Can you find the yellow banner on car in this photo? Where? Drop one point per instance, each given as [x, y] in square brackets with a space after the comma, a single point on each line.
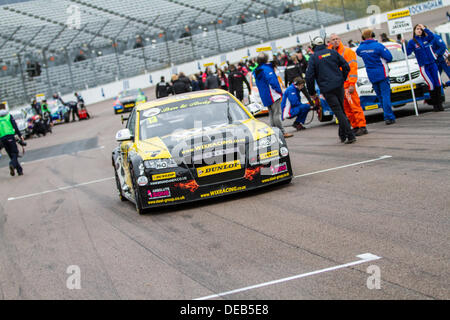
[404, 87]
[218, 168]
[164, 176]
[268, 155]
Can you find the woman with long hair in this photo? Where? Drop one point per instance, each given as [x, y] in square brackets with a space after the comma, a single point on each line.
[421, 45]
[223, 80]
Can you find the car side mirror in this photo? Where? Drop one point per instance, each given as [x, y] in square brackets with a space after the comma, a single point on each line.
[124, 135]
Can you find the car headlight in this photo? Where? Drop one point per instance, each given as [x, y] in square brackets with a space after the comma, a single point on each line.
[160, 164]
[265, 142]
[362, 81]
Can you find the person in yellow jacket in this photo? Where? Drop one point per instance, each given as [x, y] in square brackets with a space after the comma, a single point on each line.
[352, 105]
[8, 130]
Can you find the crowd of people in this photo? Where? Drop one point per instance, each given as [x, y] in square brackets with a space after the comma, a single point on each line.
[324, 72]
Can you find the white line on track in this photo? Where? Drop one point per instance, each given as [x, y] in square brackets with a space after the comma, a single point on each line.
[366, 257]
[110, 178]
[60, 189]
[342, 167]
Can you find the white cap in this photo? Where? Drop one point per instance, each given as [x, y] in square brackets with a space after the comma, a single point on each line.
[317, 41]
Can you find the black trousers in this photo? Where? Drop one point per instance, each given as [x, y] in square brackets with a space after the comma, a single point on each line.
[9, 143]
[239, 94]
[75, 112]
[335, 99]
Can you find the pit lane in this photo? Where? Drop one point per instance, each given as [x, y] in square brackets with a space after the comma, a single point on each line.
[342, 203]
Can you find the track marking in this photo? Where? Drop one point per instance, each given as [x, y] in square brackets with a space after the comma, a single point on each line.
[101, 180]
[342, 167]
[60, 189]
[366, 257]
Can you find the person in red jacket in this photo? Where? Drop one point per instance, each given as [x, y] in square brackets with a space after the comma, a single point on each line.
[352, 105]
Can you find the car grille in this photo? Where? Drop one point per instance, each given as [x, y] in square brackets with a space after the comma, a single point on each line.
[404, 78]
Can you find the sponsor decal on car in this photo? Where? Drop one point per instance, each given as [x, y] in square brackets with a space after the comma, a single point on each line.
[151, 112]
[280, 168]
[219, 98]
[164, 176]
[222, 191]
[404, 87]
[284, 175]
[372, 107]
[159, 193]
[129, 105]
[159, 201]
[168, 181]
[250, 173]
[218, 168]
[268, 155]
[191, 185]
[213, 145]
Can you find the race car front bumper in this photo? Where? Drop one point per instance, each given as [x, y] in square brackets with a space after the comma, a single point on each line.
[178, 186]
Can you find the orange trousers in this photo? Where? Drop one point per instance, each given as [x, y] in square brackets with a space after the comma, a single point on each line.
[353, 110]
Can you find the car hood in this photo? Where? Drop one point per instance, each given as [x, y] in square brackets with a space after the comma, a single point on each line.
[187, 142]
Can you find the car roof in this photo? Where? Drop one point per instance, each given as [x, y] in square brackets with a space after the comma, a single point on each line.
[180, 97]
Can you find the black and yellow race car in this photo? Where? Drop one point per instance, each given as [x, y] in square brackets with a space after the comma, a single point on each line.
[128, 99]
[196, 146]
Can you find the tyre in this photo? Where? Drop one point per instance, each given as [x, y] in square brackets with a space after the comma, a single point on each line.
[137, 197]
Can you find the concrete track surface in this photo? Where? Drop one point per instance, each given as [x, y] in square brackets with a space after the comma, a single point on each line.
[386, 196]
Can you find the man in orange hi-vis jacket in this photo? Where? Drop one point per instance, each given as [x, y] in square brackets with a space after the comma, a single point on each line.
[352, 106]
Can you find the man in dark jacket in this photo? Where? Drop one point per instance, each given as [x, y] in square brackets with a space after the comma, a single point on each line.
[330, 70]
[162, 88]
[182, 77]
[292, 71]
[212, 81]
[8, 130]
[236, 80]
[179, 86]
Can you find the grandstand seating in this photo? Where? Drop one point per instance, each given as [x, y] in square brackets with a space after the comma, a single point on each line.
[31, 31]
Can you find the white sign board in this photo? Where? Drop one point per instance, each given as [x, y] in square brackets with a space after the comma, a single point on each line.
[399, 22]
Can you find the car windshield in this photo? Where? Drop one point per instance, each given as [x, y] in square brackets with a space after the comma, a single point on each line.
[128, 93]
[397, 55]
[203, 112]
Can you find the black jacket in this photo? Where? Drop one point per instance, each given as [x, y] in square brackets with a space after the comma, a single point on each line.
[236, 81]
[291, 72]
[179, 86]
[162, 89]
[212, 82]
[328, 68]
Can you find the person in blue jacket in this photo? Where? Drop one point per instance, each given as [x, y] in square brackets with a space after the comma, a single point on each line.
[421, 45]
[292, 106]
[269, 90]
[376, 58]
[440, 49]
